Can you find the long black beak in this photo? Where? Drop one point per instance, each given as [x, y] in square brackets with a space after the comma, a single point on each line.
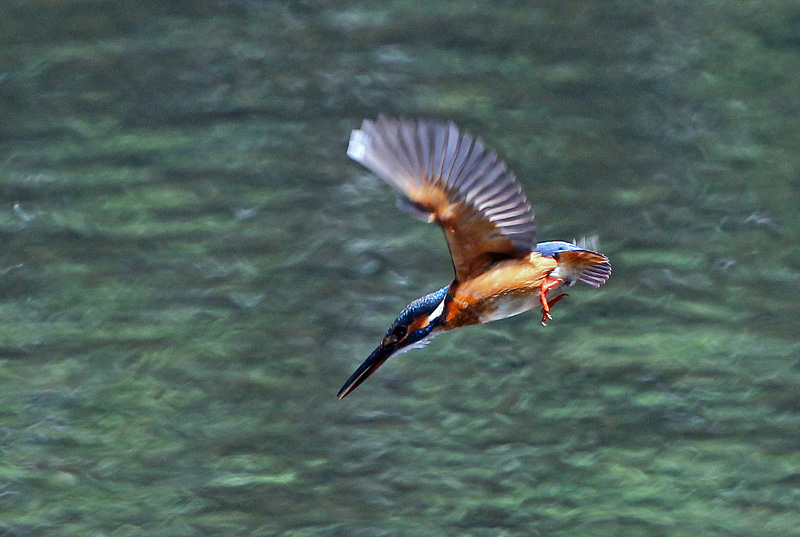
[370, 365]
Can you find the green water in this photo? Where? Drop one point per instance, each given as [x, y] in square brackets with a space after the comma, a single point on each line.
[191, 267]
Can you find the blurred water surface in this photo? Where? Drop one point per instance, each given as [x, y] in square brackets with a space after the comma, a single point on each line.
[191, 267]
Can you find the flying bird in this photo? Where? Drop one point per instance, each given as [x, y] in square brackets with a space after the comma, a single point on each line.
[449, 177]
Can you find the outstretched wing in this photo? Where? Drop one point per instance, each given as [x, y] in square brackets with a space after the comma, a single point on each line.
[450, 178]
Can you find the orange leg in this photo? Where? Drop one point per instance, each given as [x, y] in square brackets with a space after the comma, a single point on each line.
[548, 284]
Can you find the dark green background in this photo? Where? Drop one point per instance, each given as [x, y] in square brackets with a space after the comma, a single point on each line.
[191, 267]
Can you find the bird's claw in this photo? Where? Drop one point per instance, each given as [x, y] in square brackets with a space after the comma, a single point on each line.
[548, 284]
[546, 316]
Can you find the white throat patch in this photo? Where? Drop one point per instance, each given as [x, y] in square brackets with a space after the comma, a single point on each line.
[437, 312]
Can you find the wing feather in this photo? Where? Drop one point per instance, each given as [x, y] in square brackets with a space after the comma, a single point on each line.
[449, 177]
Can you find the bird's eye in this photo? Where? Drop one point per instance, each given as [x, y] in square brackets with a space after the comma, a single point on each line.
[398, 333]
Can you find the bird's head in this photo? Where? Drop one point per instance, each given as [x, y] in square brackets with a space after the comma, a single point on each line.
[413, 328]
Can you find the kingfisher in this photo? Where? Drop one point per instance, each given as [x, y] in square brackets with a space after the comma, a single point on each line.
[447, 176]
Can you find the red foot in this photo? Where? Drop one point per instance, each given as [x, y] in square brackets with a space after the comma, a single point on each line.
[548, 284]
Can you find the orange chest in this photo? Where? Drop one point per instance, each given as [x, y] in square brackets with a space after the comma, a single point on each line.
[509, 288]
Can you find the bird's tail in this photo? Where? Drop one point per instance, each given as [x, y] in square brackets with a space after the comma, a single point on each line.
[594, 268]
